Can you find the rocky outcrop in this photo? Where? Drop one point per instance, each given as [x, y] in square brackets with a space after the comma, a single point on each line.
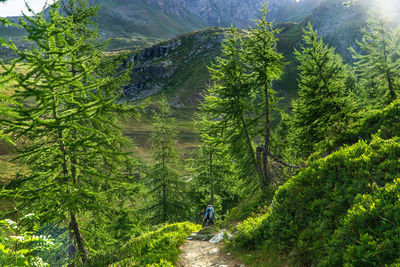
[170, 65]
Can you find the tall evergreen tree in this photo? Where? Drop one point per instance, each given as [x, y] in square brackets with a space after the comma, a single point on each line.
[166, 187]
[379, 63]
[228, 106]
[64, 114]
[211, 167]
[241, 98]
[265, 65]
[322, 103]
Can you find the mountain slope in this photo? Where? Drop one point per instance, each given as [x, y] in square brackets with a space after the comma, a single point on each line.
[133, 23]
[177, 66]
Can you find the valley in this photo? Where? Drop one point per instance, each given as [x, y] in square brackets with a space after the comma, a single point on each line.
[278, 125]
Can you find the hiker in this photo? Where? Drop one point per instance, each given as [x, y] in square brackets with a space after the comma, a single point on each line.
[209, 217]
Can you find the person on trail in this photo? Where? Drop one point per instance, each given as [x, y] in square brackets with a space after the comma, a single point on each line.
[209, 217]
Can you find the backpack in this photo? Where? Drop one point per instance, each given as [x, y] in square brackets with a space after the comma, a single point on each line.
[210, 214]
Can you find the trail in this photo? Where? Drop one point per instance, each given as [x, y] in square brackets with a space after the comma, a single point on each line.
[197, 253]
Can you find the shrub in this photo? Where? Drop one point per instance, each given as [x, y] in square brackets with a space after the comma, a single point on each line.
[386, 120]
[369, 235]
[157, 248]
[307, 209]
[19, 247]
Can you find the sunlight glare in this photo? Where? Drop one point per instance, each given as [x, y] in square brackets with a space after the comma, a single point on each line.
[388, 8]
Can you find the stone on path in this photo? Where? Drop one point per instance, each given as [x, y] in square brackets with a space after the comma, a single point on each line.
[213, 251]
[217, 238]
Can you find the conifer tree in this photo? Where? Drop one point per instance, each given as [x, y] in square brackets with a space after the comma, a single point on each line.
[241, 98]
[64, 114]
[166, 187]
[211, 167]
[228, 106]
[322, 99]
[378, 63]
[266, 65]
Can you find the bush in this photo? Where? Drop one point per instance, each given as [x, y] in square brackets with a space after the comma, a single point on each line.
[19, 247]
[370, 233]
[307, 209]
[386, 121]
[157, 248]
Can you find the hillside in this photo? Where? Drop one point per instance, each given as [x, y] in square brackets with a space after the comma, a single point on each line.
[177, 67]
[273, 141]
[135, 23]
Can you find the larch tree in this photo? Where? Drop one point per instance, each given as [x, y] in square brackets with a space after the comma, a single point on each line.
[378, 63]
[265, 65]
[228, 106]
[64, 116]
[211, 167]
[323, 105]
[241, 99]
[166, 187]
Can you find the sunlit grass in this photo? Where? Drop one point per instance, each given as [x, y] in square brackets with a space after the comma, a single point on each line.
[9, 88]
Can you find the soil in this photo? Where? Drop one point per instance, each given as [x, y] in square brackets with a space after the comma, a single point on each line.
[198, 253]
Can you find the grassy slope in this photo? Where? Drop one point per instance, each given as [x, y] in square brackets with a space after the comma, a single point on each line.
[127, 24]
[183, 88]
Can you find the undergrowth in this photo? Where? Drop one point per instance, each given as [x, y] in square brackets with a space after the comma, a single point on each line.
[307, 211]
[156, 248]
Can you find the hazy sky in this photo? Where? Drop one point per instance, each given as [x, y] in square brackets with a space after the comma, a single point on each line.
[14, 7]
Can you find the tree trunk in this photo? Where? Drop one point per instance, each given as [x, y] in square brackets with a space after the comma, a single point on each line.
[267, 134]
[259, 151]
[385, 54]
[77, 243]
[256, 158]
[390, 83]
[211, 179]
[74, 232]
[164, 192]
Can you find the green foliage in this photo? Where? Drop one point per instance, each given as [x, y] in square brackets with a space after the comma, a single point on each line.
[213, 177]
[157, 248]
[307, 209]
[20, 247]
[378, 65]
[384, 121]
[239, 101]
[69, 134]
[166, 187]
[228, 100]
[369, 235]
[323, 106]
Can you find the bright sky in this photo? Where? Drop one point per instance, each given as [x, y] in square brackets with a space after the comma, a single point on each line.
[388, 8]
[15, 7]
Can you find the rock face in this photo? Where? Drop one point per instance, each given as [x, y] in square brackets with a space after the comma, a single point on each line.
[178, 65]
[223, 13]
[147, 75]
[241, 12]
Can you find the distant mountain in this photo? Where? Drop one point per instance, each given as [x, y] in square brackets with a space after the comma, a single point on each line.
[136, 21]
[340, 25]
[131, 23]
[179, 65]
[241, 12]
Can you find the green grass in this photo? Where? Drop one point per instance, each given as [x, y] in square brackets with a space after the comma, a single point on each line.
[140, 131]
[7, 169]
[260, 258]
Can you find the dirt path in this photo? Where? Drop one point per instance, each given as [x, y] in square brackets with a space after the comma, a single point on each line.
[197, 253]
